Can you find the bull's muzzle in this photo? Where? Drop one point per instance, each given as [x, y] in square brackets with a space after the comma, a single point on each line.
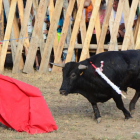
[63, 92]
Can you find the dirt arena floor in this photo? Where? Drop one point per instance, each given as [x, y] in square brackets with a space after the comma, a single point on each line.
[74, 115]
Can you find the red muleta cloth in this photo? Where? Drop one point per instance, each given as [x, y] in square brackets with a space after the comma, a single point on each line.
[23, 108]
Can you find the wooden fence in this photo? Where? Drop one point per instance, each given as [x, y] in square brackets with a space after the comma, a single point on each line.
[12, 31]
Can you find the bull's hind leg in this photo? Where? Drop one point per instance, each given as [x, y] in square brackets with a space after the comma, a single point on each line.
[133, 102]
[119, 103]
[96, 112]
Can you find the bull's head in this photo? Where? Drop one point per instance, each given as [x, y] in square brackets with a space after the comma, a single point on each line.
[71, 74]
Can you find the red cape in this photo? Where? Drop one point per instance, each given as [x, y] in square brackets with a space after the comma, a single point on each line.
[23, 108]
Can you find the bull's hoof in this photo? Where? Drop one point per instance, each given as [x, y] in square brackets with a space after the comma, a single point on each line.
[132, 111]
[99, 120]
[128, 117]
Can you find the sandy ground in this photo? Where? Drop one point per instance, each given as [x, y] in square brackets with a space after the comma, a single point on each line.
[74, 115]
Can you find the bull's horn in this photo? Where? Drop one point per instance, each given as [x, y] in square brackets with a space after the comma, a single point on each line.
[58, 65]
[82, 67]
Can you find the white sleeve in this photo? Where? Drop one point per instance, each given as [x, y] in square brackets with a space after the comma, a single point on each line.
[135, 17]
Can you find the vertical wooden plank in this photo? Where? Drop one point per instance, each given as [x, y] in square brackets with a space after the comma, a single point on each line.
[50, 38]
[16, 27]
[137, 35]
[14, 32]
[100, 46]
[129, 25]
[90, 30]
[16, 23]
[63, 34]
[75, 31]
[111, 23]
[82, 26]
[35, 36]
[21, 15]
[51, 10]
[116, 25]
[13, 43]
[22, 34]
[65, 4]
[35, 4]
[137, 46]
[126, 15]
[1, 22]
[136, 28]
[97, 25]
[7, 34]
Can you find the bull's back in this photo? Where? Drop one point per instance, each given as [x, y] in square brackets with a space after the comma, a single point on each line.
[117, 63]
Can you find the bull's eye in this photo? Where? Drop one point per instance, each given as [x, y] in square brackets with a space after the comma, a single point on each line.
[73, 75]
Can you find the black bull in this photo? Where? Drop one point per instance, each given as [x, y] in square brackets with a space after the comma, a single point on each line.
[121, 67]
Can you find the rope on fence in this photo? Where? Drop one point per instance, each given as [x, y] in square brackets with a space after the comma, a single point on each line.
[14, 39]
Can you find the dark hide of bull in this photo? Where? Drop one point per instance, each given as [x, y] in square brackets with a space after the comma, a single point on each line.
[121, 67]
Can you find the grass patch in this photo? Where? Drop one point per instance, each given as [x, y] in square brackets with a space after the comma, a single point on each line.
[136, 136]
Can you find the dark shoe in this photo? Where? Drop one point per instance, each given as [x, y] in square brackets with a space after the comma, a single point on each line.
[37, 68]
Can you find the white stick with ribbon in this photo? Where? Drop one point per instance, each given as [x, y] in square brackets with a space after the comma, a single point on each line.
[109, 82]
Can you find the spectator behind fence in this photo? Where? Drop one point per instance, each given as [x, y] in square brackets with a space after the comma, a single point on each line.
[88, 5]
[87, 8]
[121, 31]
[102, 11]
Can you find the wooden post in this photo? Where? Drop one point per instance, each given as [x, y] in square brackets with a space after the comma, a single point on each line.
[22, 34]
[137, 33]
[75, 31]
[35, 36]
[51, 36]
[90, 30]
[63, 34]
[100, 46]
[7, 35]
[116, 25]
[51, 10]
[13, 43]
[129, 25]
[82, 26]
[97, 25]
[111, 23]
[35, 4]
[1, 22]
[137, 46]
[126, 12]
[21, 15]
[136, 28]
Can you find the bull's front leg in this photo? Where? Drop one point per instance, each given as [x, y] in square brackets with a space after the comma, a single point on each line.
[120, 105]
[96, 112]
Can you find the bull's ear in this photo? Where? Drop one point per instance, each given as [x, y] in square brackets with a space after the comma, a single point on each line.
[82, 67]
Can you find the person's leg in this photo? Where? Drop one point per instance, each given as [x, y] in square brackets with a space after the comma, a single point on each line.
[37, 63]
[93, 39]
[107, 38]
